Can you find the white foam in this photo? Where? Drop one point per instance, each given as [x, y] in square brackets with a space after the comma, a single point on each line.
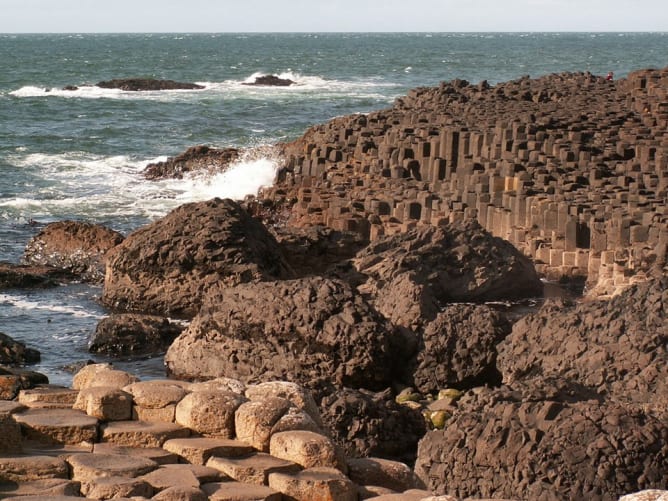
[23, 303]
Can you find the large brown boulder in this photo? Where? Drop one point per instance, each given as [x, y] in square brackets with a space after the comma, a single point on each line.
[168, 266]
[132, 334]
[544, 440]
[616, 347]
[313, 331]
[458, 349]
[14, 352]
[413, 274]
[196, 158]
[73, 246]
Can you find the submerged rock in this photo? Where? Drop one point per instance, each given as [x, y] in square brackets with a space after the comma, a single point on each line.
[271, 80]
[196, 158]
[14, 276]
[144, 84]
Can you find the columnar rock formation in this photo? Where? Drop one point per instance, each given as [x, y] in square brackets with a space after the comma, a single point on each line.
[570, 168]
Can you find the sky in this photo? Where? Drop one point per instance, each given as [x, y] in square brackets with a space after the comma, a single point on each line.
[139, 16]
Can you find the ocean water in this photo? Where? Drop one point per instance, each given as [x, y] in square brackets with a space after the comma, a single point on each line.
[79, 154]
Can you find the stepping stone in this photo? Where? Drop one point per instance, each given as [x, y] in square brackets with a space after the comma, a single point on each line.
[48, 397]
[105, 403]
[27, 468]
[307, 449]
[8, 407]
[142, 434]
[87, 467]
[47, 487]
[204, 474]
[102, 375]
[155, 401]
[237, 491]
[209, 413]
[57, 426]
[157, 454]
[10, 434]
[181, 494]
[32, 448]
[326, 484]
[164, 478]
[293, 392]
[198, 450]
[116, 487]
[381, 472]
[252, 469]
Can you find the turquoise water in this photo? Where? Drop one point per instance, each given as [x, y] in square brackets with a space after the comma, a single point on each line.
[79, 154]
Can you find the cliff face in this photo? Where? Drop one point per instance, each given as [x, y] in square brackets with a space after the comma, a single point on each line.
[570, 168]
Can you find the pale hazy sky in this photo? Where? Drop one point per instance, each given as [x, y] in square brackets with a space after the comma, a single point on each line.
[77, 16]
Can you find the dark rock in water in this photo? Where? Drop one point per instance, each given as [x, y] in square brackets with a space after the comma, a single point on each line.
[132, 334]
[271, 80]
[545, 440]
[14, 276]
[197, 158]
[167, 267]
[75, 367]
[13, 380]
[414, 274]
[71, 87]
[618, 347]
[458, 349]
[73, 246]
[144, 84]
[313, 331]
[15, 352]
[368, 424]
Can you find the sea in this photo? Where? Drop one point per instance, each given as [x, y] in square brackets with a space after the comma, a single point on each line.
[79, 155]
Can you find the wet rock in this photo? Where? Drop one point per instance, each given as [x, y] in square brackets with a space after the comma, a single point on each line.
[14, 276]
[75, 247]
[133, 334]
[168, 266]
[197, 158]
[146, 84]
[14, 352]
[271, 80]
[313, 331]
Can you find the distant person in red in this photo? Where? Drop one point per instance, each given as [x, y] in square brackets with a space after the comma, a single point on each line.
[609, 77]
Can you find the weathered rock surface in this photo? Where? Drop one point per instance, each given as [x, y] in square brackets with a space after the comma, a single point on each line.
[197, 158]
[322, 483]
[75, 247]
[413, 274]
[209, 413]
[307, 449]
[544, 440]
[86, 467]
[168, 266]
[271, 80]
[15, 276]
[364, 424]
[458, 349]
[132, 334]
[58, 426]
[27, 468]
[14, 352]
[105, 403]
[146, 84]
[313, 331]
[616, 347]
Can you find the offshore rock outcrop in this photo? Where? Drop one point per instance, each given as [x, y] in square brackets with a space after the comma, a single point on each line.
[146, 84]
[271, 80]
[197, 158]
[168, 266]
[75, 247]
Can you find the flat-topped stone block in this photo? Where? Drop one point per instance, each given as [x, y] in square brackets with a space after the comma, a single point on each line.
[58, 426]
[157, 454]
[307, 449]
[203, 474]
[42, 488]
[197, 450]
[252, 469]
[163, 478]
[382, 472]
[237, 491]
[181, 494]
[104, 403]
[28, 468]
[87, 467]
[48, 397]
[116, 487]
[141, 434]
[325, 484]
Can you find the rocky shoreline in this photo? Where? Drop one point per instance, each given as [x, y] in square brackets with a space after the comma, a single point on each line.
[360, 280]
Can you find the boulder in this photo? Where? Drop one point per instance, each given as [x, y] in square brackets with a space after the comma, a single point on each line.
[14, 352]
[168, 266]
[458, 349]
[298, 396]
[96, 375]
[271, 80]
[209, 413]
[73, 246]
[115, 487]
[155, 401]
[146, 84]
[383, 473]
[307, 449]
[313, 331]
[413, 274]
[544, 439]
[13, 380]
[105, 403]
[132, 334]
[365, 423]
[617, 347]
[194, 159]
[323, 484]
